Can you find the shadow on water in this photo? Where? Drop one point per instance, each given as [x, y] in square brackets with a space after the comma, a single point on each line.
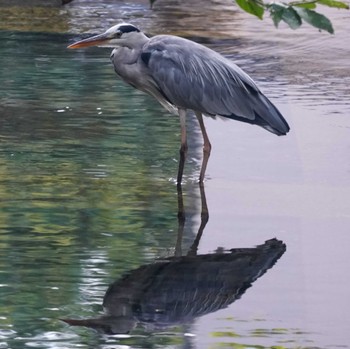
[174, 291]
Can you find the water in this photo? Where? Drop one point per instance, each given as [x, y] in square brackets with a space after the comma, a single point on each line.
[87, 187]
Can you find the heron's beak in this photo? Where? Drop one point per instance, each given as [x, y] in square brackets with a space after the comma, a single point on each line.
[93, 41]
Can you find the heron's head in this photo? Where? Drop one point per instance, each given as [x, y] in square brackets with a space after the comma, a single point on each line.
[123, 34]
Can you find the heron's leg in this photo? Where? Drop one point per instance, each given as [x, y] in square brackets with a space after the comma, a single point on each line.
[206, 146]
[183, 148]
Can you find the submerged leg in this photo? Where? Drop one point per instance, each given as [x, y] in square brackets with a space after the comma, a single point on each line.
[206, 146]
[183, 148]
[204, 220]
[181, 219]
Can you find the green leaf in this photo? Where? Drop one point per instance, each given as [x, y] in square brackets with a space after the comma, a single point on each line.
[333, 3]
[276, 12]
[285, 13]
[315, 19]
[309, 5]
[291, 17]
[252, 7]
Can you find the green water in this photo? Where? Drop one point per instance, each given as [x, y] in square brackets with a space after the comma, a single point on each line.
[86, 190]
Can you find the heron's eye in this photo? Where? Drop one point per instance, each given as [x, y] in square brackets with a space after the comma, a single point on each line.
[118, 35]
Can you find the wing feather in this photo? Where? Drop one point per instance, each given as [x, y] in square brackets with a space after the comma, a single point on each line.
[195, 77]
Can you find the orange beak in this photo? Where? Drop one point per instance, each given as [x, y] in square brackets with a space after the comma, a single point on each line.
[93, 41]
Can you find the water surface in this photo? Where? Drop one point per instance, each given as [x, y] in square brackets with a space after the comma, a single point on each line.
[87, 168]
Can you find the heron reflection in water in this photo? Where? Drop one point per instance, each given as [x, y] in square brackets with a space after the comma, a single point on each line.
[183, 75]
[175, 290]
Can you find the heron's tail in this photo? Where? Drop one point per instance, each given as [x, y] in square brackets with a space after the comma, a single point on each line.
[269, 117]
[266, 115]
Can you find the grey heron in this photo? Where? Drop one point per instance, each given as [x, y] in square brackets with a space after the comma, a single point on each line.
[183, 75]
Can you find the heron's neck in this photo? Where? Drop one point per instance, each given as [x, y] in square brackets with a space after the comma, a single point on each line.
[123, 55]
[129, 52]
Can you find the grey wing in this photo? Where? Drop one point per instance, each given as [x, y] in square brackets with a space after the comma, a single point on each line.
[192, 76]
